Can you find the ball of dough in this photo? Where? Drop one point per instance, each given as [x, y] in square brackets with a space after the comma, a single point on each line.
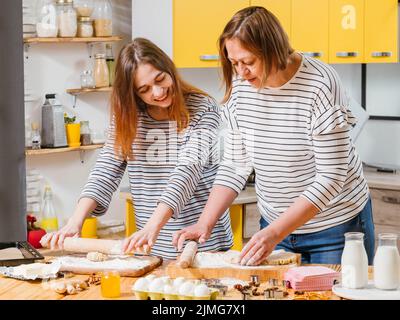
[96, 256]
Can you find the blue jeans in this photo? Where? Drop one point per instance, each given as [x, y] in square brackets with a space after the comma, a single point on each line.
[326, 246]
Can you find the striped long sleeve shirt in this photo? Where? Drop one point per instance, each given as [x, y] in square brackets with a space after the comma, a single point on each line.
[296, 138]
[177, 169]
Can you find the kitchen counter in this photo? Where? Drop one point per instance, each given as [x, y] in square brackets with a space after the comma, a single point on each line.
[12, 289]
[382, 180]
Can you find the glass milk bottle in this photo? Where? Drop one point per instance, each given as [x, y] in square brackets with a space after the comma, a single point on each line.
[354, 261]
[387, 262]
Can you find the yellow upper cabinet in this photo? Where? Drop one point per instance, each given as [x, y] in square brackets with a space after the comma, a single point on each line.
[280, 8]
[346, 31]
[196, 28]
[310, 27]
[381, 31]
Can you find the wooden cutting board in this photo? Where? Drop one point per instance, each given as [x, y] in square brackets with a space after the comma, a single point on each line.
[154, 263]
[243, 273]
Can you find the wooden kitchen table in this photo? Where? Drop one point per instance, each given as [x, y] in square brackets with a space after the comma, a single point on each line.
[12, 289]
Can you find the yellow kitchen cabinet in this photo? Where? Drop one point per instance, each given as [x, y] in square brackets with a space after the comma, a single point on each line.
[310, 27]
[280, 8]
[346, 31]
[196, 28]
[381, 31]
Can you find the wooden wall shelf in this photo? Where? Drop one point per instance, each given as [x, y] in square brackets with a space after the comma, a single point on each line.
[30, 152]
[81, 91]
[74, 40]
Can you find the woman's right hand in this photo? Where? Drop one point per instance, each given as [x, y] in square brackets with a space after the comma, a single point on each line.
[55, 240]
[198, 232]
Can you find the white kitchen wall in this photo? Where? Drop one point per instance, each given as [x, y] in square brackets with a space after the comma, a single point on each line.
[53, 68]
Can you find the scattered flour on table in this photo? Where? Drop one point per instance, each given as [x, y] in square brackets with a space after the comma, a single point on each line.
[116, 264]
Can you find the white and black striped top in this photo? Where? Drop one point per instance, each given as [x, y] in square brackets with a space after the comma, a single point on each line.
[296, 137]
[176, 168]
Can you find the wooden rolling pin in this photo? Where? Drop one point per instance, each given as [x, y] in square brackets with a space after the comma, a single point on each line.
[186, 258]
[85, 245]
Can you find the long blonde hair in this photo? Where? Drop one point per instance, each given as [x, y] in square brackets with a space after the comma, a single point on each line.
[125, 102]
[260, 32]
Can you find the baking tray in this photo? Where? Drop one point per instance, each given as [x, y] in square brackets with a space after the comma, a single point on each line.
[30, 253]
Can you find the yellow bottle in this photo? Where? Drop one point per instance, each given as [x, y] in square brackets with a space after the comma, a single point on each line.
[110, 284]
[49, 221]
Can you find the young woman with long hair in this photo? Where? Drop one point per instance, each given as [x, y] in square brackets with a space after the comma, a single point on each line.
[164, 132]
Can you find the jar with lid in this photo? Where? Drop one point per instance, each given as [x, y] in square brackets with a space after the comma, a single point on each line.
[103, 19]
[84, 8]
[85, 133]
[87, 81]
[85, 27]
[46, 19]
[67, 24]
[387, 262]
[354, 261]
[101, 75]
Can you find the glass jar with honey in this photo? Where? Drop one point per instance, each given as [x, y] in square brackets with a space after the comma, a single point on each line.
[110, 284]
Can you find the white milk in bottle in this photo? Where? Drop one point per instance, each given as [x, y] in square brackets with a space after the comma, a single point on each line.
[387, 262]
[354, 261]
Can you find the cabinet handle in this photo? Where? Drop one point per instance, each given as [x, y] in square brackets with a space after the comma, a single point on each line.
[392, 200]
[346, 54]
[379, 54]
[209, 57]
[313, 54]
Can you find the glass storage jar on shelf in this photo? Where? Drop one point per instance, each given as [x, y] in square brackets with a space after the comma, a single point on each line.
[67, 18]
[101, 75]
[85, 27]
[85, 134]
[87, 81]
[84, 8]
[46, 19]
[103, 18]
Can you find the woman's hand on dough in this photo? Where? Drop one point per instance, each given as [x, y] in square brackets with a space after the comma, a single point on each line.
[55, 240]
[197, 232]
[141, 241]
[258, 248]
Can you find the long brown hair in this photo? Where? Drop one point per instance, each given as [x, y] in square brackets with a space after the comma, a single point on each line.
[125, 102]
[260, 32]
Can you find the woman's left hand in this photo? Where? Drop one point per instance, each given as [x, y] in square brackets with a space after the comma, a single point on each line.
[142, 240]
[258, 248]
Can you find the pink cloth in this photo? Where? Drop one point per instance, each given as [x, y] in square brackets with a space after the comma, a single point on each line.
[311, 278]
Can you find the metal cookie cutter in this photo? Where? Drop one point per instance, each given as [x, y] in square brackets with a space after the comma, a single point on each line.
[254, 280]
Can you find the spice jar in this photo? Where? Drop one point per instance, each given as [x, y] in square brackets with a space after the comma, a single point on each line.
[103, 19]
[87, 81]
[67, 24]
[101, 75]
[85, 133]
[46, 19]
[85, 27]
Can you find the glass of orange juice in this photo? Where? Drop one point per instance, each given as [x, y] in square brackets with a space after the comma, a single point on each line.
[110, 284]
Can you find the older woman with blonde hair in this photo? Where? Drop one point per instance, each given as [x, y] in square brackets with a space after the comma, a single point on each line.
[288, 119]
[164, 131]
